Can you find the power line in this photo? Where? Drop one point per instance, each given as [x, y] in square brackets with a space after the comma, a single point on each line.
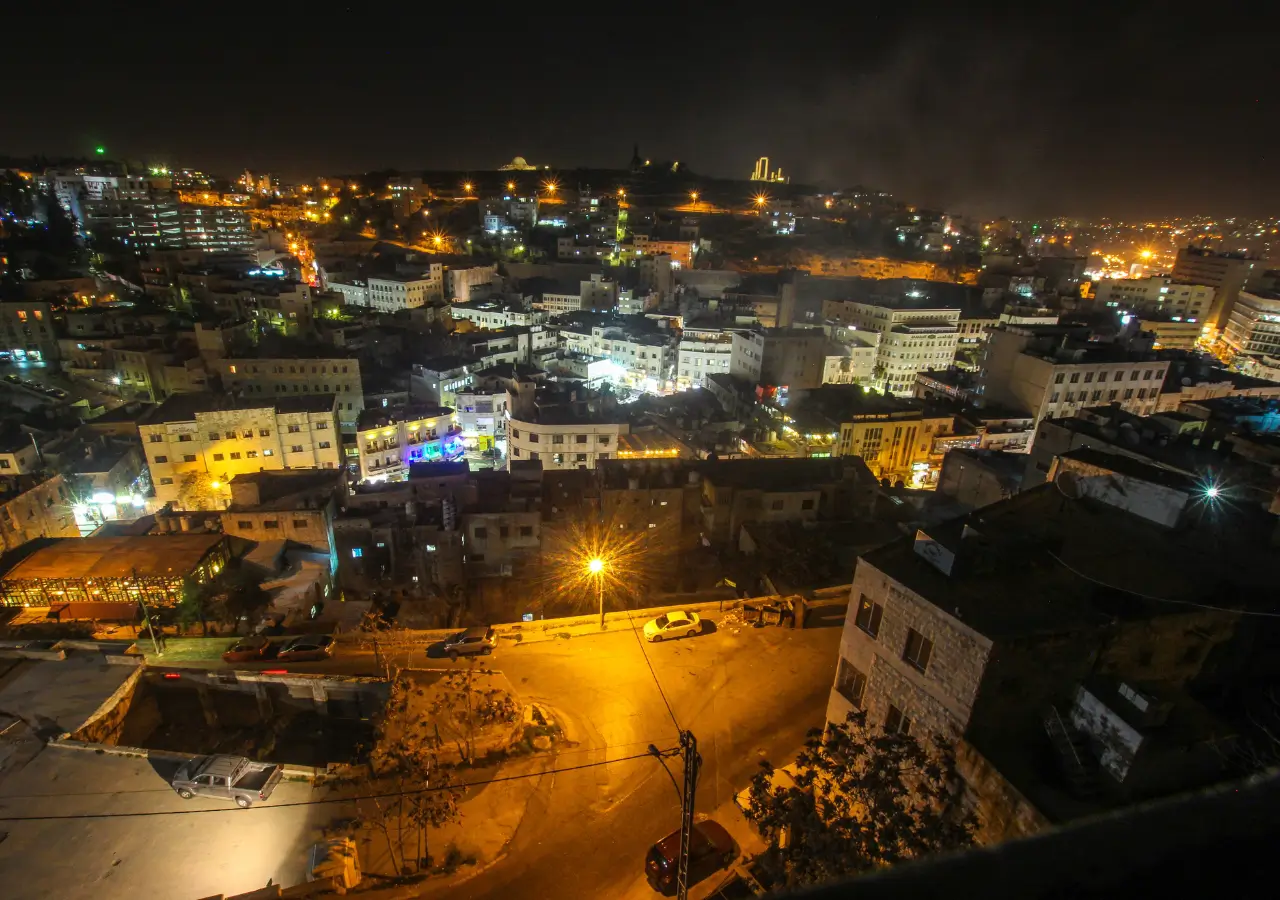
[661, 693]
[1240, 612]
[318, 802]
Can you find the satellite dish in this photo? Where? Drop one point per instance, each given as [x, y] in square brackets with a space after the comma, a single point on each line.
[1070, 485]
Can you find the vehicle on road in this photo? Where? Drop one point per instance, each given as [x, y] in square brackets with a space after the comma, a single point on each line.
[227, 777]
[309, 647]
[478, 640]
[674, 624]
[710, 848]
[250, 649]
[784, 779]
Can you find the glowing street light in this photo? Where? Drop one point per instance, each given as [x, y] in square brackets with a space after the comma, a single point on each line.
[693, 195]
[761, 199]
[596, 567]
[467, 187]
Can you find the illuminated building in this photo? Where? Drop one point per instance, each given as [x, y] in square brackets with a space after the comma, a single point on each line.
[1158, 295]
[390, 440]
[763, 173]
[916, 334]
[1253, 331]
[26, 331]
[517, 164]
[196, 443]
[105, 577]
[1053, 371]
[681, 252]
[267, 380]
[33, 506]
[147, 213]
[1226, 273]
[718, 351]
[561, 427]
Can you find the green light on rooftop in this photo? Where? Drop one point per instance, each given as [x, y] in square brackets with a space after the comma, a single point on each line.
[101, 151]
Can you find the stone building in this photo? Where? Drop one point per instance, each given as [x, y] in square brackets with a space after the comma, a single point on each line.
[985, 629]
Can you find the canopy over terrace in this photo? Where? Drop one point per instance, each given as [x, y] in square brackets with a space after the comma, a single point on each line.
[121, 569]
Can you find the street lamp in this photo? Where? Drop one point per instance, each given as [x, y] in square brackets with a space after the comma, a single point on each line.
[596, 568]
[693, 195]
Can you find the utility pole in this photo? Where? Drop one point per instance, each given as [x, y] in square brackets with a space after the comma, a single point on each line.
[146, 614]
[692, 763]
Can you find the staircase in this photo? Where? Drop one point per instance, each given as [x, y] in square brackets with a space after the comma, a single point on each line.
[1072, 749]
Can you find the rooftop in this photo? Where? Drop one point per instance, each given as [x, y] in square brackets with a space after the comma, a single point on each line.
[185, 407]
[1090, 563]
[283, 490]
[164, 556]
[386, 416]
[773, 474]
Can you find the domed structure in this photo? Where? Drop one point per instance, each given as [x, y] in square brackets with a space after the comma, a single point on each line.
[517, 164]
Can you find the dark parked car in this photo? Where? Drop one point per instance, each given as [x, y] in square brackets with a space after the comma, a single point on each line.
[250, 649]
[710, 848]
[480, 639]
[308, 648]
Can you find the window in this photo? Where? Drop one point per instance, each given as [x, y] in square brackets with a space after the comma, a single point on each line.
[1128, 393]
[1102, 376]
[271, 523]
[580, 439]
[296, 448]
[868, 616]
[235, 455]
[322, 426]
[162, 459]
[357, 552]
[299, 523]
[580, 457]
[189, 457]
[323, 445]
[851, 683]
[264, 432]
[604, 439]
[481, 533]
[918, 650]
[251, 454]
[155, 438]
[895, 722]
[1096, 395]
[1133, 376]
[4, 464]
[504, 532]
[1075, 376]
[777, 504]
[1057, 379]
[1055, 398]
[804, 504]
[1088, 378]
[534, 438]
[219, 457]
[213, 435]
[243, 524]
[268, 453]
[166, 481]
[294, 429]
[526, 531]
[184, 438]
[515, 432]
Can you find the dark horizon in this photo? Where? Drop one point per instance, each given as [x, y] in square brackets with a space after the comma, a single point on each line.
[1002, 114]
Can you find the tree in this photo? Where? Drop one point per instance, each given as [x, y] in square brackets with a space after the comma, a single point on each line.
[863, 798]
[197, 603]
[243, 596]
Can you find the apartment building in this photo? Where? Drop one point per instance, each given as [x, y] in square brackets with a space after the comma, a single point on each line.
[496, 313]
[1054, 371]
[1226, 273]
[439, 379]
[391, 439]
[644, 354]
[982, 630]
[913, 337]
[714, 350]
[1158, 295]
[267, 379]
[294, 506]
[196, 443]
[796, 358]
[460, 280]
[1253, 332]
[26, 331]
[852, 361]
[392, 293]
[681, 252]
[561, 426]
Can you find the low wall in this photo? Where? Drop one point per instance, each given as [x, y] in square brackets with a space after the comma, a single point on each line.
[104, 726]
[1003, 812]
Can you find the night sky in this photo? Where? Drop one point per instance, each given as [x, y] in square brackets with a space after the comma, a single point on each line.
[1130, 115]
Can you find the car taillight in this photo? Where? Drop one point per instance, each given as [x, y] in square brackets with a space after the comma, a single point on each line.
[275, 671]
[171, 676]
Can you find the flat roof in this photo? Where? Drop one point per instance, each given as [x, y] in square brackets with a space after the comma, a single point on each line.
[171, 555]
[185, 407]
[774, 474]
[1039, 562]
[386, 416]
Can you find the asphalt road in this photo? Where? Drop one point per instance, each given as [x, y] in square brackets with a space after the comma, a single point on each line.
[746, 693]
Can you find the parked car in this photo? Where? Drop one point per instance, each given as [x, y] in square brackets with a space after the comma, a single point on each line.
[229, 777]
[307, 648]
[13, 379]
[479, 640]
[710, 848]
[674, 624]
[250, 649]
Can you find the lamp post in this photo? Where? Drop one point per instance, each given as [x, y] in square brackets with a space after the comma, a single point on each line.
[596, 568]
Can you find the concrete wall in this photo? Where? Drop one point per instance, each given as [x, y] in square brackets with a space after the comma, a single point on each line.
[1003, 812]
[105, 725]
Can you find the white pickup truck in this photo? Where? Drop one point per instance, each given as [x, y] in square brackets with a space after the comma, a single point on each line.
[229, 777]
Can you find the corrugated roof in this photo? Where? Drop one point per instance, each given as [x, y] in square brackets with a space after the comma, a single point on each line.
[168, 555]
